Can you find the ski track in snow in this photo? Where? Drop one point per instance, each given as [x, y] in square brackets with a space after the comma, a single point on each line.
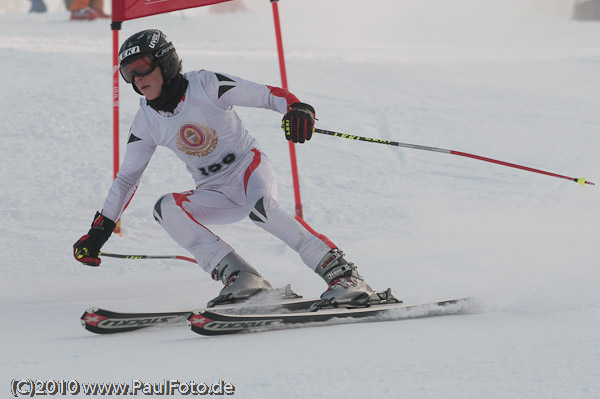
[516, 81]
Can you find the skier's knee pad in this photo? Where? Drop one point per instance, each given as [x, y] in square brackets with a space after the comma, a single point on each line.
[157, 212]
[259, 211]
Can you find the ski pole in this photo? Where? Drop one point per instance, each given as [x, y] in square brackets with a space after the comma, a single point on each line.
[581, 180]
[122, 256]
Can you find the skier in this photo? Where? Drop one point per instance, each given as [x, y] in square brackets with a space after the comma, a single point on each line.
[193, 115]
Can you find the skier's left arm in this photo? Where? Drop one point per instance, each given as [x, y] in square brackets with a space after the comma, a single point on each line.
[226, 91]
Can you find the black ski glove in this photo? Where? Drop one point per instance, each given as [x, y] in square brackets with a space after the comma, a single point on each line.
[87, 249]
[299, 122]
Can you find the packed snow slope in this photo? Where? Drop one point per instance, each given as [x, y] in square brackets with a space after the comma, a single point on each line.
[516, 82]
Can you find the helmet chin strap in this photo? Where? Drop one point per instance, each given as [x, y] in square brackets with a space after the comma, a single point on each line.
[170, 95]
[136, 89]
[166, 82]
[163, 90]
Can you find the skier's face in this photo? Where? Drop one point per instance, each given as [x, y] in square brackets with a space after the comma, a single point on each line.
[150, 85]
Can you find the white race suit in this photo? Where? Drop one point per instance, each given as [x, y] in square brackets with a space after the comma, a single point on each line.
[233, 177]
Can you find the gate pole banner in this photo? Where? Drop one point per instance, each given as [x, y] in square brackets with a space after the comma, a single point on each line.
[124, 10]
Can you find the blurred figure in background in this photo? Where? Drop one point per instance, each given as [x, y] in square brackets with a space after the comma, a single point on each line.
[38, 6]
[586, 10]
[228, 7]
[87, 9]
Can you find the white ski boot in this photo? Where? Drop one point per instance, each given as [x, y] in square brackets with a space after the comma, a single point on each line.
[241, 280]
[346, 286]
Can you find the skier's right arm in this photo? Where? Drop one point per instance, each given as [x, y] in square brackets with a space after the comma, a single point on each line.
[225, 91]
[140, 148]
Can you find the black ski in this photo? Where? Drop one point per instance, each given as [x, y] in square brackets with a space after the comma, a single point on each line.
[216, 322]
[103, 321]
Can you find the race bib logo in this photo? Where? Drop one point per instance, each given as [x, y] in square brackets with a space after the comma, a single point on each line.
[197, 140]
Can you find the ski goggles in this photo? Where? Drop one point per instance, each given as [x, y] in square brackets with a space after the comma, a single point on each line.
[138, 67]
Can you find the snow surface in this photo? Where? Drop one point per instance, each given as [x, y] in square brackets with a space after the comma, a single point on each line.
[514, 80]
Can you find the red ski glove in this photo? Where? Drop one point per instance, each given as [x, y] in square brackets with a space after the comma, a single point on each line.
[299, 122]
[87, 249]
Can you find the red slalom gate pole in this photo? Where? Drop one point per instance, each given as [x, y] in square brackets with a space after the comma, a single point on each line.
[115, 102]
[580, 180]
[284, 85]
[116, 26]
